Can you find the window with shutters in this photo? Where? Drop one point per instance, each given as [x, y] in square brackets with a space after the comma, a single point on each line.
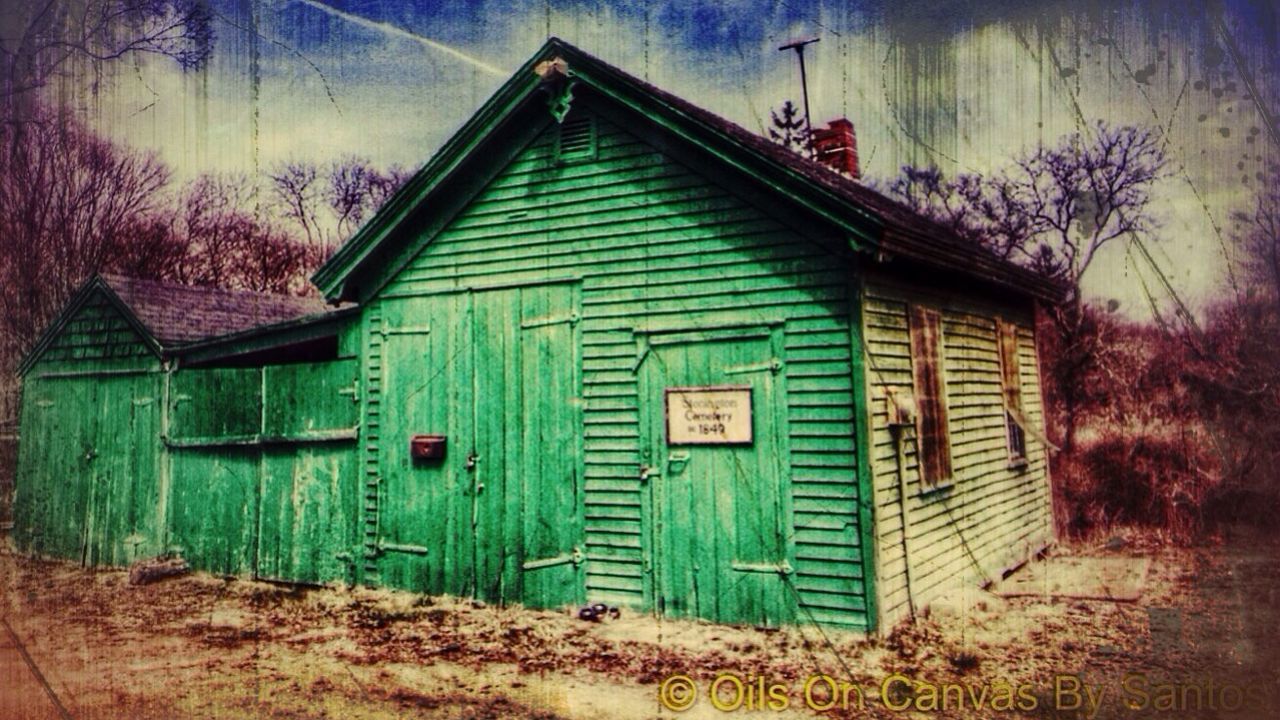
[933, 440]
[576, 139]
[1011, 386]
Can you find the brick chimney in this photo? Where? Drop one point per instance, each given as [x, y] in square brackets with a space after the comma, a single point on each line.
[836, 147]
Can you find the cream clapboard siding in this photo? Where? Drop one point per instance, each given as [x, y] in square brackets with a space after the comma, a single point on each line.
[656, 245]
[992, 515]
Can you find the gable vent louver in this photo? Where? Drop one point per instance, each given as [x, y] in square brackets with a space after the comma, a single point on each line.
[576, 139]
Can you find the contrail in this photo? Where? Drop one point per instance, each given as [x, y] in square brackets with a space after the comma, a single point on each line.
[390, 29]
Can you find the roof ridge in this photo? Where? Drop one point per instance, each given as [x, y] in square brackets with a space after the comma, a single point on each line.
[111, 277]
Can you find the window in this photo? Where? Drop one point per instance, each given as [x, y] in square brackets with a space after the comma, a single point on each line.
[933, 442]
[1011, 384]
[576, 139]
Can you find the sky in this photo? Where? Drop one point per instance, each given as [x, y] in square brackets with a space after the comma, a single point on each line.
[965, 85]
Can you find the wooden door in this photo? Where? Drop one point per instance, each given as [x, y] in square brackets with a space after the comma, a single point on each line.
[500, 517]
[716, 522]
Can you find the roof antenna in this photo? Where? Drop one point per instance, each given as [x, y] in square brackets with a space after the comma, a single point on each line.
[798, 46]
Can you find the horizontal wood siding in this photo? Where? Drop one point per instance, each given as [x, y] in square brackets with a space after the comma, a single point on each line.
[991, 514]
[656, 247]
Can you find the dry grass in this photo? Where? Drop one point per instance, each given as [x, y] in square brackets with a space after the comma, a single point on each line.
[204, 647]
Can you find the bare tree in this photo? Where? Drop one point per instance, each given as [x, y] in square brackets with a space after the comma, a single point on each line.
[227, 244]
[299, 196]
[984, 212]
[328, 205]
[1258, 238]
[357, 189]
[45, 39]
[68, 201]
[1053, 209]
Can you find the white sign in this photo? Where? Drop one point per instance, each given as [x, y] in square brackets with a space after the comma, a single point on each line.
[709, 415]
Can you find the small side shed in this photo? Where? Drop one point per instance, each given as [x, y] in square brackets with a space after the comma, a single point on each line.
[161, 418]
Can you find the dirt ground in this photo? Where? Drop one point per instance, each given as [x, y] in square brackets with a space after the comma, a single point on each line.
[1201, 640]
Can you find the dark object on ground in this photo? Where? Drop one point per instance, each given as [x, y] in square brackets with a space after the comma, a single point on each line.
[153, 569]
[588, 613]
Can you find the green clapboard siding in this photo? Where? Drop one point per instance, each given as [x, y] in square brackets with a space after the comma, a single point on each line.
[652, 248]
[991, 514]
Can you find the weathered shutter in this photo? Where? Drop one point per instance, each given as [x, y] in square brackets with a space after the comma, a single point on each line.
[1009, 370]
[933, 444]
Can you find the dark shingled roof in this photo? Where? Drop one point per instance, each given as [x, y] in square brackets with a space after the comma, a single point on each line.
[906, 232]
[181, 314]
[890, 229]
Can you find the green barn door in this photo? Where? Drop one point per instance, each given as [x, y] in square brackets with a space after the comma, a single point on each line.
[550, 486]
[58, 452]
[718, 542]
[306, 513]
[122, 501]
[499, 517]
[526, 480]
[424, 536]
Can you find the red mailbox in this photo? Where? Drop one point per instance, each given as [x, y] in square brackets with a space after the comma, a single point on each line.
[427, 447]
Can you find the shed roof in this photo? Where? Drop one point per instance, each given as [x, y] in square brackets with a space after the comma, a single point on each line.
[874, 222]
[170, 316]
[181, 314]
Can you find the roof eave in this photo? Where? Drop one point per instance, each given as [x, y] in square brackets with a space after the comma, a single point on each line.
[331, 276]
[241, 336]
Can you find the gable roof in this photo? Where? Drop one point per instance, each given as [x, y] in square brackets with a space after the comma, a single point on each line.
[168, 316]
[873, 222]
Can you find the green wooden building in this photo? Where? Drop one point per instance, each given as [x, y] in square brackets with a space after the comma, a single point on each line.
[605, 346]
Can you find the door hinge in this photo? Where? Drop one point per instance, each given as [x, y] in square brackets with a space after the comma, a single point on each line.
[783, 568]
[386, 330]
[574, 557]
[402, 548]
[572, 318]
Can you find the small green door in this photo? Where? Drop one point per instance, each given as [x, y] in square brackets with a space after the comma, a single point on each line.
[120, 512]
[58, 452]
[716, 522]
[306, 509]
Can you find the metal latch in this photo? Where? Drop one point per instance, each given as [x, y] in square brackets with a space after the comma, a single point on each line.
[677, 461]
